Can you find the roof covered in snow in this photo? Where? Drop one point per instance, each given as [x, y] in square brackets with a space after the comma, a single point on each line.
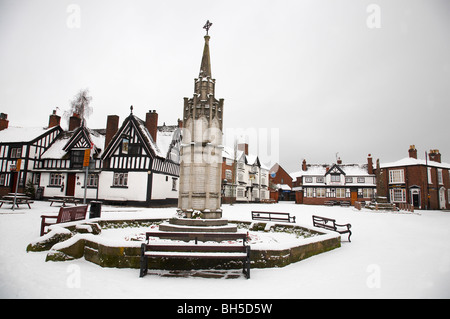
[409, 161]
[321, 170]
[16, 134]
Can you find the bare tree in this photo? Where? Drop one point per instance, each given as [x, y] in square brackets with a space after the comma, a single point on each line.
[80, 105]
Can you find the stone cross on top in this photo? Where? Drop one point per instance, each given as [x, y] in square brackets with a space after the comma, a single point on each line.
[207, 26]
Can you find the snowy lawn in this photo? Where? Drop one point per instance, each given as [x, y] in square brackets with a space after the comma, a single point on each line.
[392, 255]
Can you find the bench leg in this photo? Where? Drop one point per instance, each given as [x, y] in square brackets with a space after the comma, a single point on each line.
[246, 266]
[349, 234]
[144, 262]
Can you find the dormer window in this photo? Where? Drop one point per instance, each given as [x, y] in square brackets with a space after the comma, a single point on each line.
[335, 178]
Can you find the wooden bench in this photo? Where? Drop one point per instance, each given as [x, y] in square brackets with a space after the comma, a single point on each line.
[196, 251]
[272, 216]
[66, 214]
[330, 224]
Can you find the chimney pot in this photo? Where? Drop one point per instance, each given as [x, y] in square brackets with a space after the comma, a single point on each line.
[54, 120]
[412, 151]
[369, 164]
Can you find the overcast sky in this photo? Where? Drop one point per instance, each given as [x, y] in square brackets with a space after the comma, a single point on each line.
[312, 78]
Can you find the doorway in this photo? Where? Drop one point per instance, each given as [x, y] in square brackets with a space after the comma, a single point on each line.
[70, 188]
[415, 197]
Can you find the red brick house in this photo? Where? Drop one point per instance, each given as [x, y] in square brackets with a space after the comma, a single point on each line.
[280, 183]
[422, 183]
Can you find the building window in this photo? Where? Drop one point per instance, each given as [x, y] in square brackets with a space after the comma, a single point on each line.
[16, 152]
[125, 145]
[77, 158]
[367, 192]
[320, 192]
[55, 179]
[448, 195]
[319, 179]
[340, 192]
[174, 183]
[2, 179]
[240, 192]
[398, 195]
[396, 176]
[430, 180]
[92, 180]
[349, 179]
[309, 192]
[308, 179]
[335, 178]
[361, 180]
[228, 175]
[120, 179]
[440, 180]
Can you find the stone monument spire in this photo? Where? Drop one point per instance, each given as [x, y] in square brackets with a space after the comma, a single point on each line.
[201, 149]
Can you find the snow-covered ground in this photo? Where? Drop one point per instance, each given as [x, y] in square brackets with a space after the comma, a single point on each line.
[392, 255]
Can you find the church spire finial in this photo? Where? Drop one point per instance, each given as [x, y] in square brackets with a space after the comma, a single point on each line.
[207, 26]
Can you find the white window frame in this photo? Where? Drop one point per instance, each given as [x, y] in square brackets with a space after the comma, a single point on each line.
[320, 192]
[92, 180]
[440, 179]
[340, 192]
[396, 176]
[120, 179]
[55, 179]
[398, 195]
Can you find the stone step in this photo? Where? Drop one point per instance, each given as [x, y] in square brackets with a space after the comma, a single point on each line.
[198, 222]
[207, 229]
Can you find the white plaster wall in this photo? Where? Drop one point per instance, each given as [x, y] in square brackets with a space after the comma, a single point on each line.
[162, 188]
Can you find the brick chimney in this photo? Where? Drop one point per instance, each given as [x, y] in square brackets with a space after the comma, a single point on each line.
[112, 126]
[151, 123]
[412, 151]
[74, 122]
[243, 147]
[54, 120]
[339, 161]
[434, 156]
[180, 123]
[3, 121]
[304, 167]
[369, 164]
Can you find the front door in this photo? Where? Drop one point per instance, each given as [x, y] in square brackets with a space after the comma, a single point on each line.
[415, 197]
[70, 188]
[353, 196]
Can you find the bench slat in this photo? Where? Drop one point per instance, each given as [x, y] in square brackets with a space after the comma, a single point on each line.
[183, 254]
